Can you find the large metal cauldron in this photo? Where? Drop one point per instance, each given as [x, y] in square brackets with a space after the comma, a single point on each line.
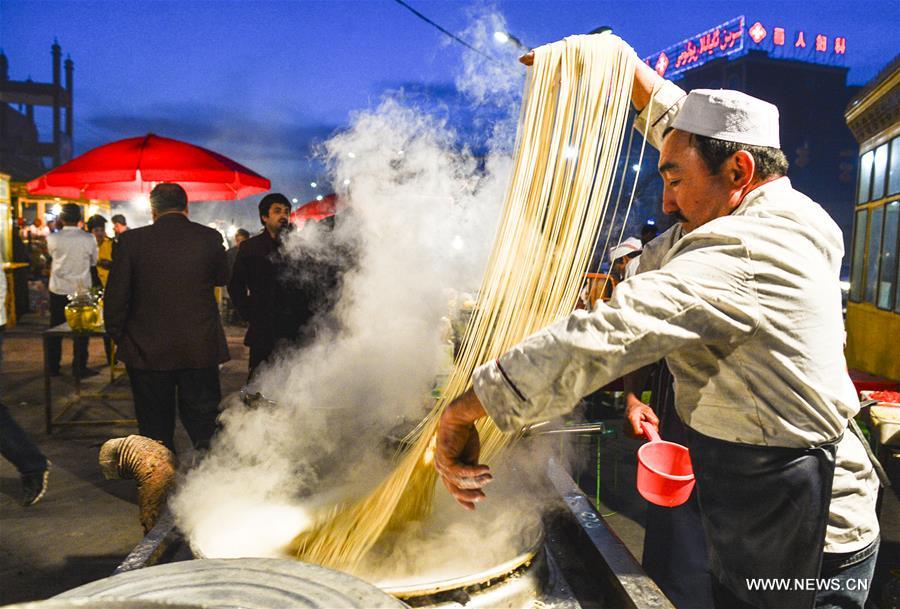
[250, 583]
[577, 562]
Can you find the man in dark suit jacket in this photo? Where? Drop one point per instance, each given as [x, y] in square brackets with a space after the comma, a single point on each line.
[161, 310]
[278, 298]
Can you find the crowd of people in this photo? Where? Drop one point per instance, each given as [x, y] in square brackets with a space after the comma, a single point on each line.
[162, 312]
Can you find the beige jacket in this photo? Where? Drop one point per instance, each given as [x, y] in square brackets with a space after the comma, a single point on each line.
[746, 309]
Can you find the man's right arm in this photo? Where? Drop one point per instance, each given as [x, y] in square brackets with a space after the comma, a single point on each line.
[700, 297]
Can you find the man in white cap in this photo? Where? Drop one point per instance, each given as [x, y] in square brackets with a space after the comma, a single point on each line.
[621, 256]
[745, 306]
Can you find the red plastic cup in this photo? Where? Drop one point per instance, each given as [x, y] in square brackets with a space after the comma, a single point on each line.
[665, 475]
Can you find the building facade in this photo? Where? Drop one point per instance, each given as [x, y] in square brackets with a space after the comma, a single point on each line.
[873, 312]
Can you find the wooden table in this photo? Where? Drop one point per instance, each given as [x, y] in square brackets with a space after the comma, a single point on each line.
[63, 331]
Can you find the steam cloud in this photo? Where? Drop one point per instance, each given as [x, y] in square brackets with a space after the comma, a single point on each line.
[419, 211]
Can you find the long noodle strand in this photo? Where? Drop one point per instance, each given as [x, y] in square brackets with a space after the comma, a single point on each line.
[570, 133]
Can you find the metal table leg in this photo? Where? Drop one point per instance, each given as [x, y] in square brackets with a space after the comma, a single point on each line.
[48, 397]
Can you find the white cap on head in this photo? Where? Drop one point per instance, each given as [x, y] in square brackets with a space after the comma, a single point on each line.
[729, 115]
[629, 246]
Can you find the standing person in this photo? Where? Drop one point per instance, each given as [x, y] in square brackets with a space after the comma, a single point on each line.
[15, 445]
[621, 257]
[239, 237]
[276, 308]
[746, 309]
[17, 448]
[73, 252]
[120, 225]
[96, 225]
[161, 310]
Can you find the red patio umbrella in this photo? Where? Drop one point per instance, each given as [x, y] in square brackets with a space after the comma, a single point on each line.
[121, 170]
[315, 209]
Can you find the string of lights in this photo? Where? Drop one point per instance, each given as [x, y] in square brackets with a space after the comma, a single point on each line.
[443, 30]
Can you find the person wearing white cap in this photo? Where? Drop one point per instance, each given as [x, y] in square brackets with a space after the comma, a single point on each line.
[622, 254]
[746, 308]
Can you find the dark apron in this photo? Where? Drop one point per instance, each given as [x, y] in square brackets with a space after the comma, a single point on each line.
[764, 511]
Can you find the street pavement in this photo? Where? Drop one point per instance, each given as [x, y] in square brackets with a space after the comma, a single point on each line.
[85, 525]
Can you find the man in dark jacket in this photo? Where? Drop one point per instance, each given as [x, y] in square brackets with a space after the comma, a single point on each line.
[277, 303]
[161, 310]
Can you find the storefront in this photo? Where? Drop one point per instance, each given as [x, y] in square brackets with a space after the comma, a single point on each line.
[873, 311]
[25, 222]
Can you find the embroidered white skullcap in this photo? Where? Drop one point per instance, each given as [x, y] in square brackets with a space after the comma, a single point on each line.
[729, 115]
[629, 246]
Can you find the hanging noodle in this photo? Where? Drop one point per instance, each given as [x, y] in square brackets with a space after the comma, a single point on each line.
[570, 133]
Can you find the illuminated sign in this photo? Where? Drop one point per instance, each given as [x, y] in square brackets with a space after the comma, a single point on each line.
[797, 44]
[732, 38]
[720, 41]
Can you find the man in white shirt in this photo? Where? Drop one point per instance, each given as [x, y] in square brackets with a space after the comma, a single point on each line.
[746, 309]
[74, 252]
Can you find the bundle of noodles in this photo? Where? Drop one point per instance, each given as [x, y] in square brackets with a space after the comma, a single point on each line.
[570, 133]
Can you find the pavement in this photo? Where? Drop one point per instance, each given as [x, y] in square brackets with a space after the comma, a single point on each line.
[86, 525]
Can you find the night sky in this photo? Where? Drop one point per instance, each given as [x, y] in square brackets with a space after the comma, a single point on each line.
[264, 81]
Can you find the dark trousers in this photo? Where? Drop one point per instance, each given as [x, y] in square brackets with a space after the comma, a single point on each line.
[196, 392]
[17, 448]
[58, 304]
[258, 354]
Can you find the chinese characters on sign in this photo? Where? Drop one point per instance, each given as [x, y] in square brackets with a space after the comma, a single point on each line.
[840, 45]
[778, 36]
[802, 44]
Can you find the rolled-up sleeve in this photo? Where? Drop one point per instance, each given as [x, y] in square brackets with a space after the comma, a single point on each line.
[657, 115]
[703, 295]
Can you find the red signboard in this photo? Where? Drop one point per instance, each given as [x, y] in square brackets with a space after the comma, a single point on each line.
[728, 39]
[719, 41]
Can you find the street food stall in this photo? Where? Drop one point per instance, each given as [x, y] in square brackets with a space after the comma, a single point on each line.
[30, 217]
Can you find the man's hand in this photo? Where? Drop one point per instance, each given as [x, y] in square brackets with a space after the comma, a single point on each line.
[457, 450]
[527, 58]
[636, 411]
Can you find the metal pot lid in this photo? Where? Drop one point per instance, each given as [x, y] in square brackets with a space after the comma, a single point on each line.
[250, 583]
[102, 603]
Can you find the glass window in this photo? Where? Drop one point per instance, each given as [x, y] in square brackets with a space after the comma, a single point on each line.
[897, 290]
[894, 173]
[865, 176]
[873, 257]
[859, 250]
[880, 174]
[888, 256]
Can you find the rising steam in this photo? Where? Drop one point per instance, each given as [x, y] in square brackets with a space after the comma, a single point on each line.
[416, 222]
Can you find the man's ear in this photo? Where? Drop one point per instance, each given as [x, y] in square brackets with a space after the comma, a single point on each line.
[741, 167]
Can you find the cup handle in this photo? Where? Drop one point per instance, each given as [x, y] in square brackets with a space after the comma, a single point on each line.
[650, 431]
